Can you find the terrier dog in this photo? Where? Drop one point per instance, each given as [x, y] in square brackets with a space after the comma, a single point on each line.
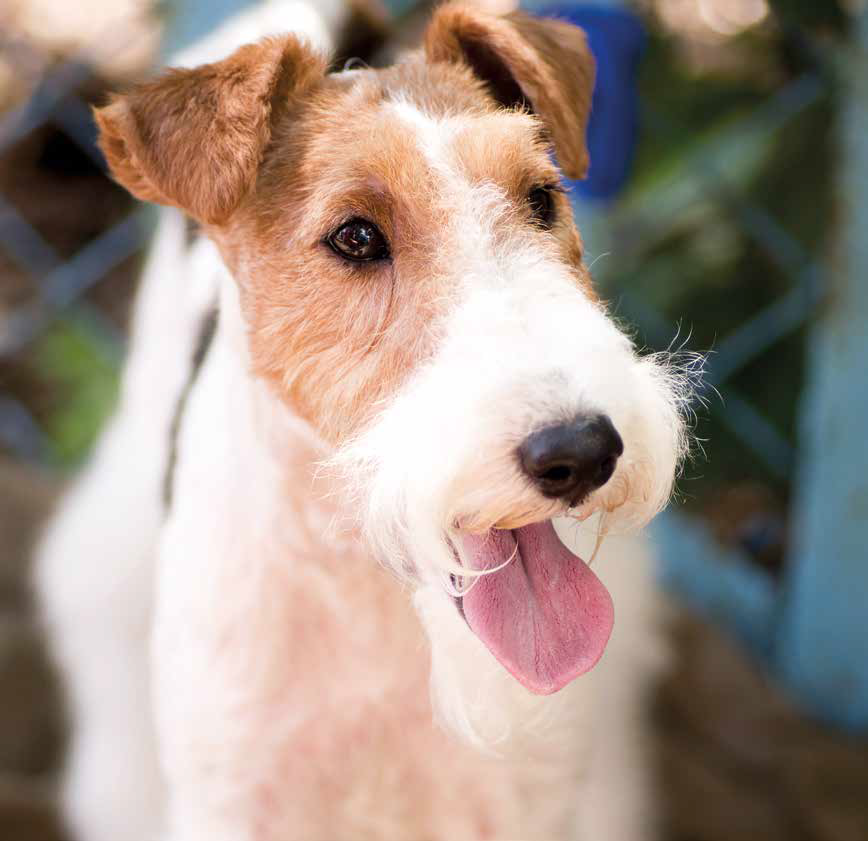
[386, 347]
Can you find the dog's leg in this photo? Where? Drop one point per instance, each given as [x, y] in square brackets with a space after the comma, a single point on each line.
[216, 728]
[94, 568]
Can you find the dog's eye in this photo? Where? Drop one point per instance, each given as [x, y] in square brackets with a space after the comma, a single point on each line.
[542, 206]
[360, 241]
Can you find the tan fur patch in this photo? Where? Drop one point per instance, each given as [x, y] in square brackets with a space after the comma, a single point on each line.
[194, 138]
[544, 63]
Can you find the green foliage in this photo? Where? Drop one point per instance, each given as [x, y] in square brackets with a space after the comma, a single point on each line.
[81, 374]
[719, 154]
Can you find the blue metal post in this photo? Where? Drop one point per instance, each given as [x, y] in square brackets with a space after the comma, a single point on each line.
[822, 645]
[190, 20]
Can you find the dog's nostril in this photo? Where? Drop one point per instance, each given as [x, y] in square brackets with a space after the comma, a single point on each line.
[557, 474]
[569, 460]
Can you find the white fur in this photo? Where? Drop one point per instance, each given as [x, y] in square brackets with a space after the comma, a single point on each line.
[282, 655]
[95, 563]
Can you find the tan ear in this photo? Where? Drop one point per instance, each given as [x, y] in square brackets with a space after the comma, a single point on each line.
[543, 65]
[195, 138]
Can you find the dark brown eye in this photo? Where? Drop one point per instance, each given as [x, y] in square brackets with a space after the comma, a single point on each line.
[360, 241]
[542, 206]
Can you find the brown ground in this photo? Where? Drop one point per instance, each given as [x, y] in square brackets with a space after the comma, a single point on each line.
[30, 720]
[737, 761]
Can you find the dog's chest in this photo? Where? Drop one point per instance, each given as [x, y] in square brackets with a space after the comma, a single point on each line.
[355, 752]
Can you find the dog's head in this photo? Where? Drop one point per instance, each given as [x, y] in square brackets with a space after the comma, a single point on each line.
[413, 286]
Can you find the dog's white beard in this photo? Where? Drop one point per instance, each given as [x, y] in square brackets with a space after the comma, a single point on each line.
[522, 351]
[511, 360]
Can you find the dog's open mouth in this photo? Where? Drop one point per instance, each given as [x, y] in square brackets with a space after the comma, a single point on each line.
[545, 615]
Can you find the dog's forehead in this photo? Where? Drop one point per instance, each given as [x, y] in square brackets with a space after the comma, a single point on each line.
[422, 150]
[435, 120]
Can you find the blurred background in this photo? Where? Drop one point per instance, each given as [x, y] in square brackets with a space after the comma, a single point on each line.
[726, 212]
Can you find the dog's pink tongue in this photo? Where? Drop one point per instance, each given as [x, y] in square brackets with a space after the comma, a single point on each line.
[545, 616]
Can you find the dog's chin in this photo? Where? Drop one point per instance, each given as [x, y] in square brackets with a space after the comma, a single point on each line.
[537, 607]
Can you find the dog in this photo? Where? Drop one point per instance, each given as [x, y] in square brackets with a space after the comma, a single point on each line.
[323, 577]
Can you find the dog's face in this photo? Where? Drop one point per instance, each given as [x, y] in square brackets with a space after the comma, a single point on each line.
[413, 286]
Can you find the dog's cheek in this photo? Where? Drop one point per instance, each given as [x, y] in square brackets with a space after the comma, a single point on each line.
[333, 340]
[654, 446]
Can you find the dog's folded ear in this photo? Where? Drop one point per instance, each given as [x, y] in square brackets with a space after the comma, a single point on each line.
[543, 65]
[195, 138]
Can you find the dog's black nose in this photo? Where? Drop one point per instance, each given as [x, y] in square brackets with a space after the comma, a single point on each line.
[569, 460]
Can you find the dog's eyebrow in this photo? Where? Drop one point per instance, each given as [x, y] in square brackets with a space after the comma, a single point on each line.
[367, 198]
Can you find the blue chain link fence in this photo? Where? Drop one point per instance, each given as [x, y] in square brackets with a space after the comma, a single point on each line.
[51, 278]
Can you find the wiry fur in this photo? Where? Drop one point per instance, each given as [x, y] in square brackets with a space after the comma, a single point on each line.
[347, 414]
[513, 296]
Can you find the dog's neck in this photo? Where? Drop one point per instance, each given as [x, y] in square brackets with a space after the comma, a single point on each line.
[287, 447]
